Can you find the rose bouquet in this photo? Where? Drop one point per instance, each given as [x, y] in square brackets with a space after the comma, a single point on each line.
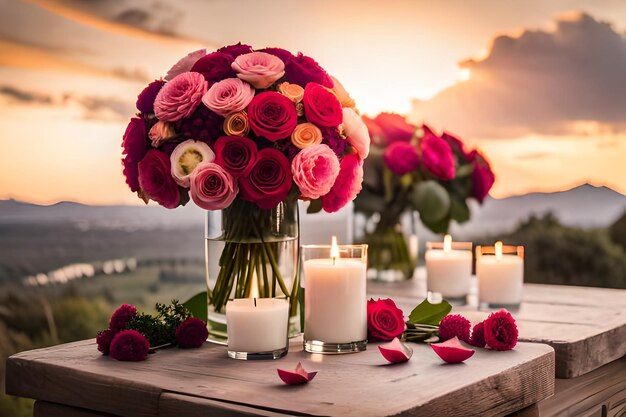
[412, 169]
[246, 132]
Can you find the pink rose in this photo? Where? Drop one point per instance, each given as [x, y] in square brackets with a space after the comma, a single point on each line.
[228, 96]
[482, 176]
[236, 154]
[401, 158]
[135, 145]
[315, 170]
[214, 66]
[321, 107]
[156, 181]
[180, 97]
[259, 68]
[437, 157]
[347, 185]
[356, 132]
[394, 128]
[272, 116]
[302, 70]
[185, 64]
[212, 188]
[269, 181]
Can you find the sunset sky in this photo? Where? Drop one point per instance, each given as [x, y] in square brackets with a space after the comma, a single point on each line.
[539, 86]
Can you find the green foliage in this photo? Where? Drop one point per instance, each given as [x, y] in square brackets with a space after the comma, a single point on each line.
[197, 306]
[617, 231]
[431, 200]
[427, 313]
[557, 254]
[160, 329]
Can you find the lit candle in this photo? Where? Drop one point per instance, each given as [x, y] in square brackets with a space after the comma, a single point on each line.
[449, 270]
[257, 326]
[500, 276]
[335, 302]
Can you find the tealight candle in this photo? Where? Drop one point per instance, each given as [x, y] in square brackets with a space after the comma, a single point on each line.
[335, 301]
[449, 268]
[257, 328]
[500, 271]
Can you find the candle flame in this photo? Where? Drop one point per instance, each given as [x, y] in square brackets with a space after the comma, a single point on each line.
[334, 249]
[447, 243]
[498, 250]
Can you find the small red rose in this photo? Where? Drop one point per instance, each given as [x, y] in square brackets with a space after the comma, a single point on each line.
[129, 345]
[384, 319]
[478, 335]
[191, 333]
[122, 316]
[501, 331]
[272, 116]
[454, 325]
[104, 339]
[321, 106]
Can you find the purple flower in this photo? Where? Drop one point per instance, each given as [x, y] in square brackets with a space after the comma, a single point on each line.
[334, 140]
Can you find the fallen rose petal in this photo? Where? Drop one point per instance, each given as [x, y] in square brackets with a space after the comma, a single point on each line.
[298, 376]
[452, 351]
[396, 351]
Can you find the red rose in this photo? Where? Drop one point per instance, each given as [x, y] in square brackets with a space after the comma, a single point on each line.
[302, 70]
[394, 128]
[236, 49]
[214, 67]
[135, 144]
[384, 319]
[270, 179]
[482, 176]
[272, 115]
[401, 158]
[374, 130]
[129, 345]
[321, 107]
[191, 333]
[457, 146]
[122, 316]
[500, 331]
[437, 157]
[104, 339]
[454, 325]
[145, 100]
[236, 154]
[156, 180]
[281, 53]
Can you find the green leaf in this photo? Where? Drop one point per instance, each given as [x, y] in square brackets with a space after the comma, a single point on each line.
[464, 170]
[197, 306]
[432, 201]
[459, 210]
[315, 206]
[427, 313]
[440, 226]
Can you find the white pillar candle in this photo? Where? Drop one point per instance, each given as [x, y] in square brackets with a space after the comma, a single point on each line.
[335, 300]
[259, 326]
[448, 270]
[500, 278]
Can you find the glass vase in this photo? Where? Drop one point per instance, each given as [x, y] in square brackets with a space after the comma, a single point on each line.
[393, 245]
[251, 253]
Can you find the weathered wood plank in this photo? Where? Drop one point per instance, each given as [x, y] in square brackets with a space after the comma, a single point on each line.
[491, 383]
[589, 393]
[46, 409]
[585, 326]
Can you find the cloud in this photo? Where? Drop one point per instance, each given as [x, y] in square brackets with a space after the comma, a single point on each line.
[24, 97]
[545, 82]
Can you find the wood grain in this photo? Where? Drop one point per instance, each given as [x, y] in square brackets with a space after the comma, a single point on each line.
[46, 409]
[585, 326]
[489, 384]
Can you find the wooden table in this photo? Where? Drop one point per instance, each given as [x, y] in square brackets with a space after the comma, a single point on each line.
[75, 380]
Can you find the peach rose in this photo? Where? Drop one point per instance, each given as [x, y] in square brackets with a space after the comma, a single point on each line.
[259, 68]
[237, 124]
[315, 170]
[161, 132]
[306, 134]
[356, 132]
[228, 96]
[342, 94]
[292, 91]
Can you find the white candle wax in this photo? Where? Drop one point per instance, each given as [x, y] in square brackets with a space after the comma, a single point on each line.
[448, 272]
[335, 301]
[500, 280]
[260, 328]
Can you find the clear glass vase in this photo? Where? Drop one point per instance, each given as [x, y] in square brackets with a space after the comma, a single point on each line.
[251, 252]
[393, 245]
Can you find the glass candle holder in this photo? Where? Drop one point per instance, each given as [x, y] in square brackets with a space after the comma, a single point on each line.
[257, 328]
[449, 269]
[500, 272]
[335, 300]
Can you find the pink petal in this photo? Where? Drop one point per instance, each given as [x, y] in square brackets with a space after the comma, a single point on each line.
[452, 351]
[396, 351]
[299, 376]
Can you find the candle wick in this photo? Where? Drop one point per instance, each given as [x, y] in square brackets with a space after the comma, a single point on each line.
[334, 260]
[255, 301]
